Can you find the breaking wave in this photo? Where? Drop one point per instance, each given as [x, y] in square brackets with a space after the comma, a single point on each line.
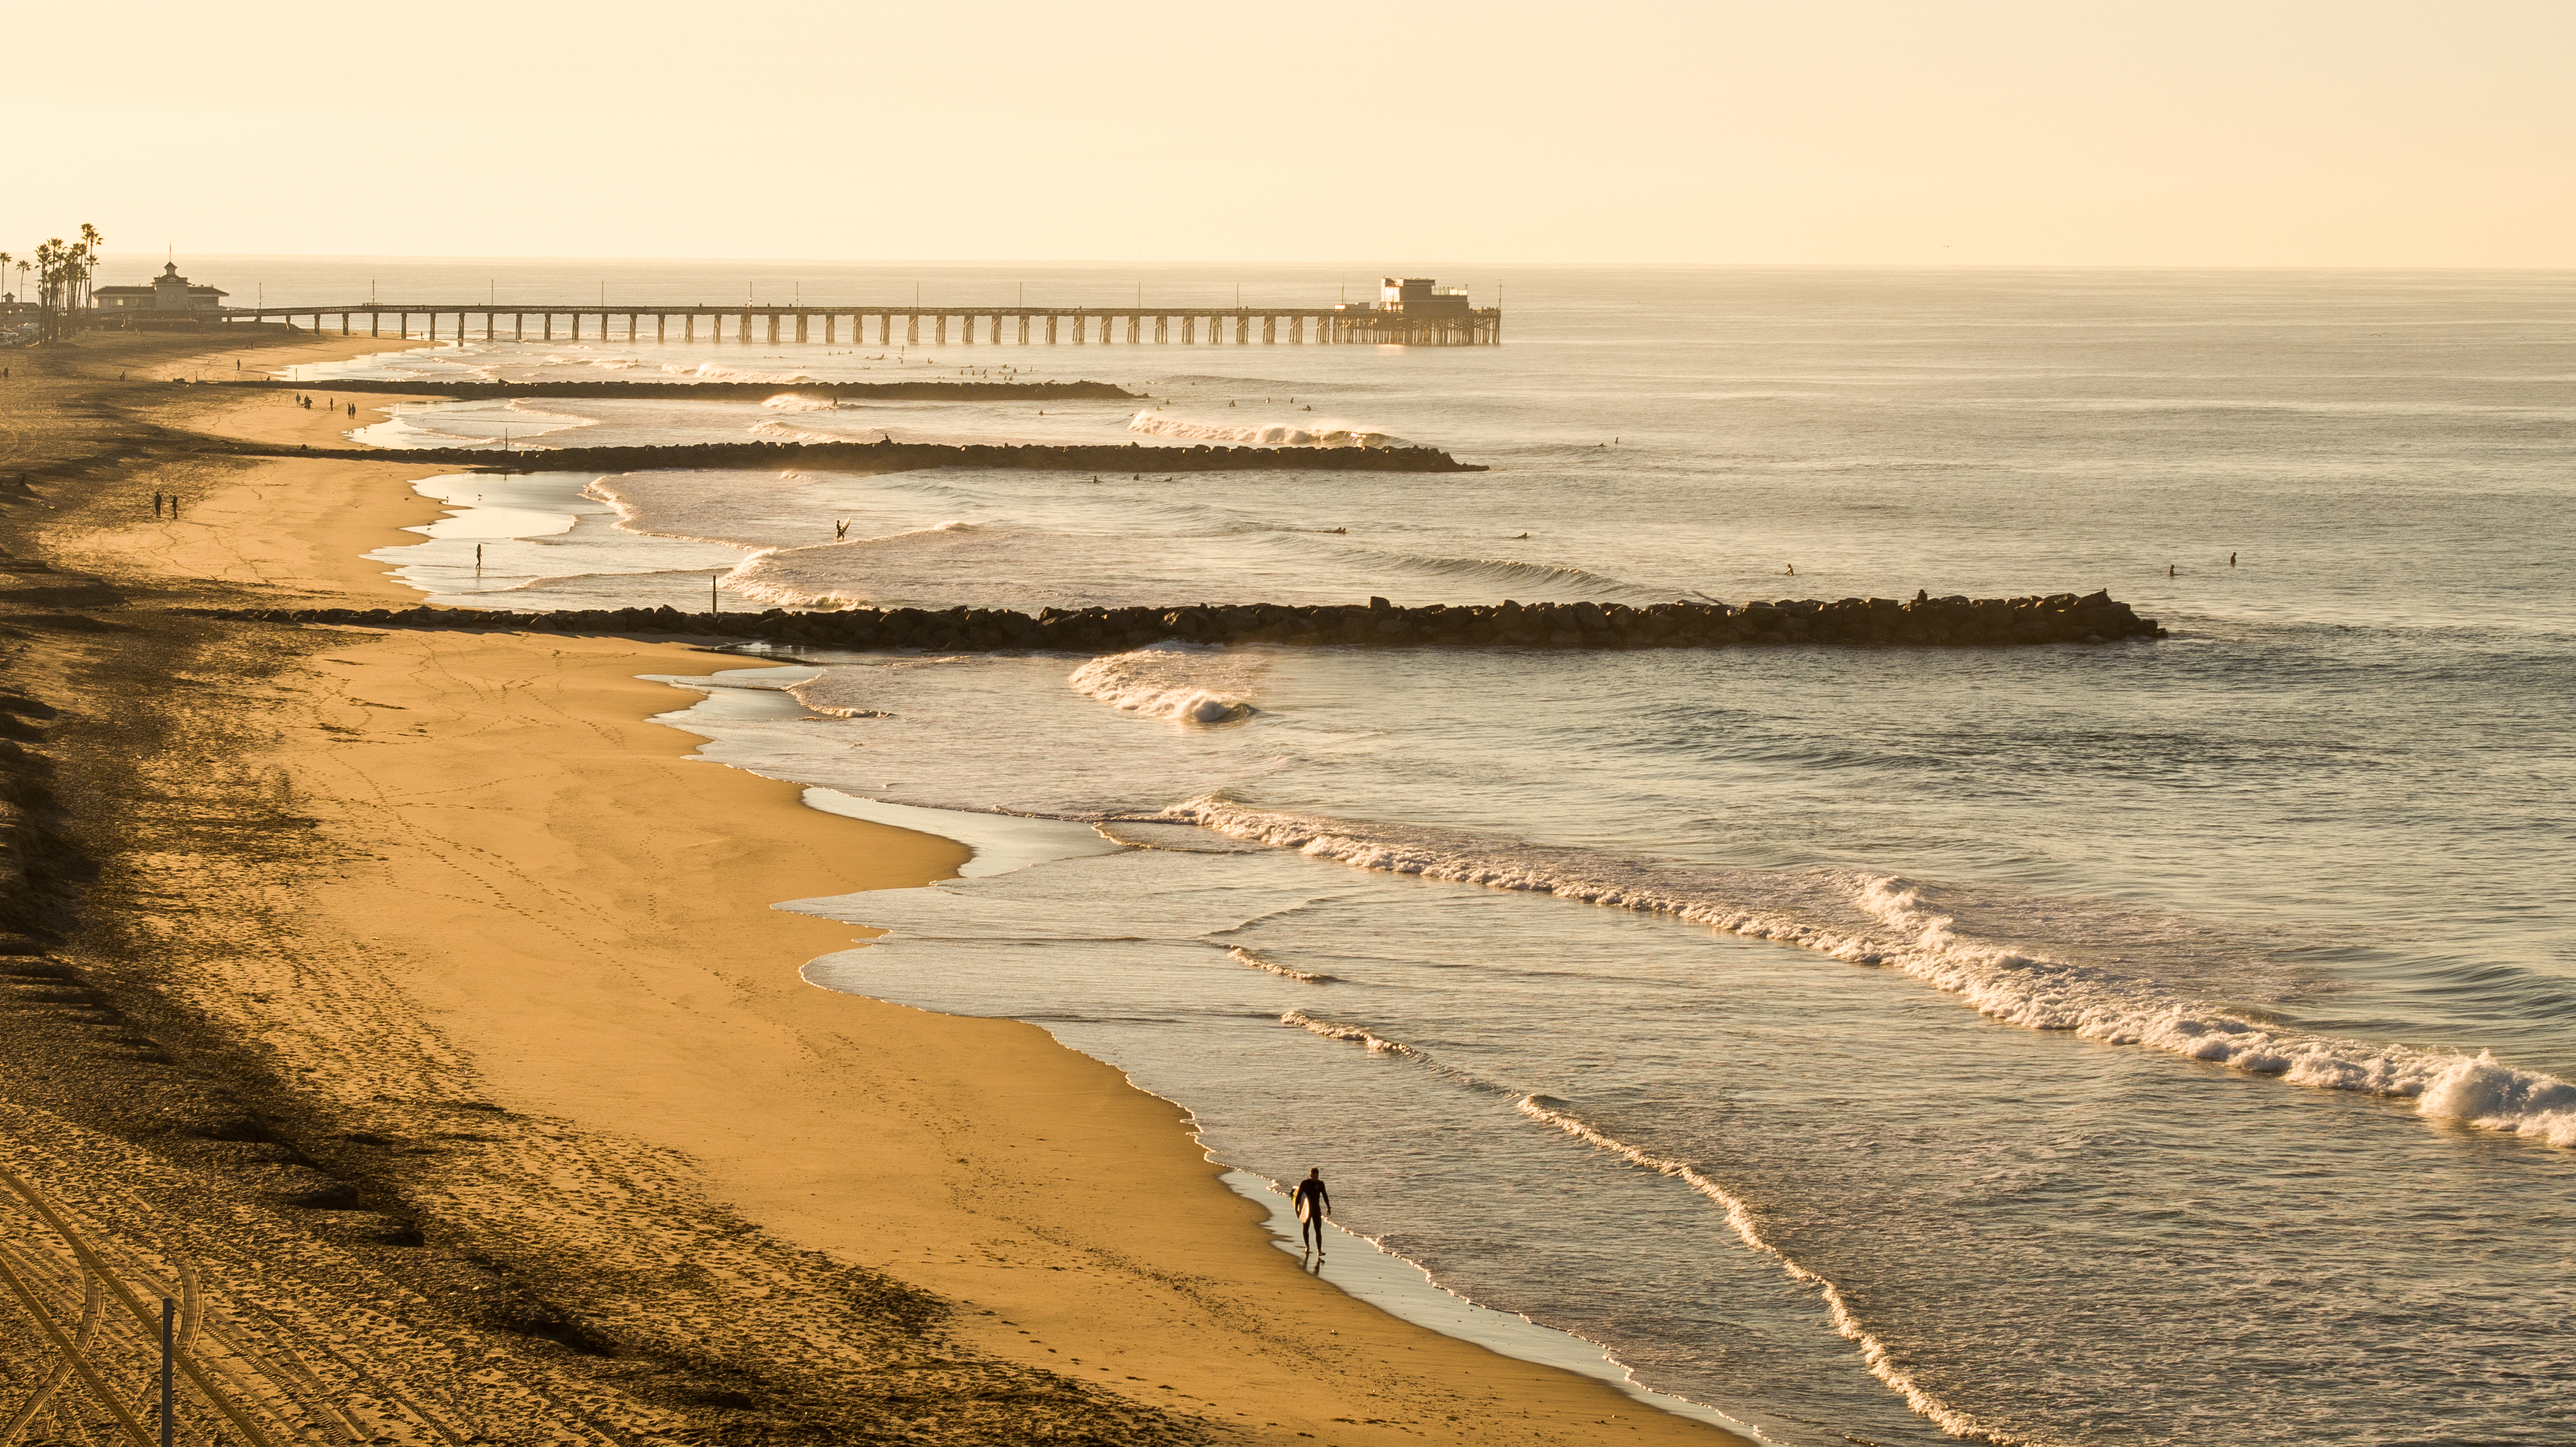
[1878, 919]
[787, 577]
[1377, 1044]
[1183, 682]
[1326, 433]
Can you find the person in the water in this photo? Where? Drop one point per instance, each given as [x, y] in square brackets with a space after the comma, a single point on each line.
[1314, 1203]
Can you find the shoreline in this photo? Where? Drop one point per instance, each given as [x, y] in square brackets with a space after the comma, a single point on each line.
[534, 900]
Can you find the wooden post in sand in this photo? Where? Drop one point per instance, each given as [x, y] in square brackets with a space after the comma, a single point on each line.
[170, 1353]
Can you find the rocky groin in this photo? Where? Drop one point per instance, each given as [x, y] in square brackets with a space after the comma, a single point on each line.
[1925, 622]
[718, 391]
[1131, 458]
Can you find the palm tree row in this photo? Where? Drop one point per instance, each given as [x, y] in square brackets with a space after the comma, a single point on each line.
[64, 271]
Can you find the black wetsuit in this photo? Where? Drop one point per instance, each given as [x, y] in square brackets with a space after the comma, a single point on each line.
[1313, 1202]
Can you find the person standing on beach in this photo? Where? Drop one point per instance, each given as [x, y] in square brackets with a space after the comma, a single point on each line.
[1314, 1204]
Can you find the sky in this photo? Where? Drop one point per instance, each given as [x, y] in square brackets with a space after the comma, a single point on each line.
[1823, 132]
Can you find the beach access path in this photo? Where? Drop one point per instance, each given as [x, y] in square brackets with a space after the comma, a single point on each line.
[506, 950]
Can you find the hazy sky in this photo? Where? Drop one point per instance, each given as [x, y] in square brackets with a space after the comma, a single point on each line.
[2079, 132]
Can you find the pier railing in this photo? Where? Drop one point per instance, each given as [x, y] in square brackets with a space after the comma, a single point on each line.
[917, 325]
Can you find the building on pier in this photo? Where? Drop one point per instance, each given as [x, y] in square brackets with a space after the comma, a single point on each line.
[1422, 296]
[168, 292]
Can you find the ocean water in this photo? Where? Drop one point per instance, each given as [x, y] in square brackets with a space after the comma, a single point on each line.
[2160, 1042]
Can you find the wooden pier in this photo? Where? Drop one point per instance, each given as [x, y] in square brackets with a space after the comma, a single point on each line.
[916, 325]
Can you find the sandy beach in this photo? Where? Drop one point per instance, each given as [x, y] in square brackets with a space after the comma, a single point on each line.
[493, 958]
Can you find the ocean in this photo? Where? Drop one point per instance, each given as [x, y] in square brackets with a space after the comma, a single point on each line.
[2155, 1042]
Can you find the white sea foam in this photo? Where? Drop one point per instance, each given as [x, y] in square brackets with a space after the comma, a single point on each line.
[758, 578]
[1877, 919]
[794, 402]
[711, 372]
[779, 430]
[1325, 432]
[1184, 682]
[546, 421]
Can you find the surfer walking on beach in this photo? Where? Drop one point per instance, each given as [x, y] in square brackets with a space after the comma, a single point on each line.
[1314, 1204]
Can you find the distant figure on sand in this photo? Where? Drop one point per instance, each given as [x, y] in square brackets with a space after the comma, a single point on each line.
[1314, 1203]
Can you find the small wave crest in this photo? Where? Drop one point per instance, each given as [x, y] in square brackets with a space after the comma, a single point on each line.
[1884, 920]
[1183, 682]
[1377, 1044]
[1249, 960]
[798, 402]
[1511, 573]
[789, 432]
[711, 372]
[1323, 433]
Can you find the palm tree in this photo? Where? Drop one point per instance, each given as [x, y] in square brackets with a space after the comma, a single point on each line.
[93, 250]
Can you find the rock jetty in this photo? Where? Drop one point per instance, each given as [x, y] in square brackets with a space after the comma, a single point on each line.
[718, 391]
[901, 457]
[1926, 622]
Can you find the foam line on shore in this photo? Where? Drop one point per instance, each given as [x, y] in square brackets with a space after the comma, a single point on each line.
[1550, 1111]
[1740, 1219]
